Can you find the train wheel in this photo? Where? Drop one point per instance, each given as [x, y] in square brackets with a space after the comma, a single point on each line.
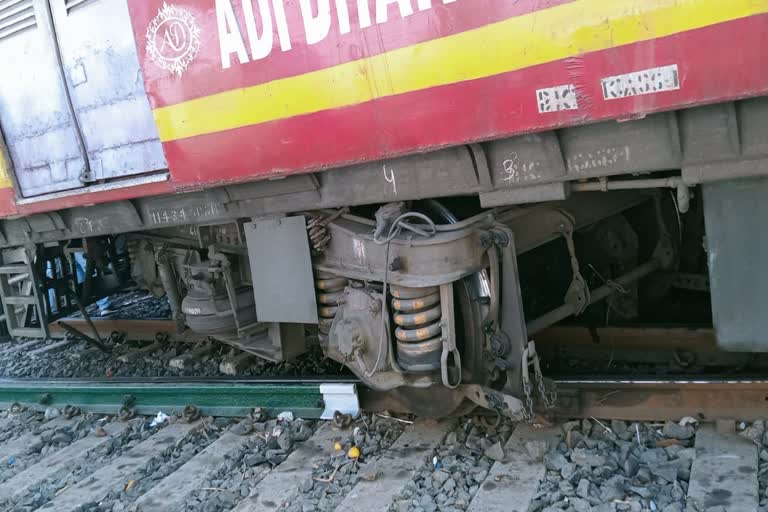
[439, 401]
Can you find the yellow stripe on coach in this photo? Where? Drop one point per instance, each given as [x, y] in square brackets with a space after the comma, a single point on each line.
[516, 43]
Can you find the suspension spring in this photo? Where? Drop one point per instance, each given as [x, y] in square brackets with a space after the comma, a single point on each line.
[417, 314]
[329, 289]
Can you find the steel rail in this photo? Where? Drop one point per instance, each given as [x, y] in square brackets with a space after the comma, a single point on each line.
[653, 399]
[215, 397]
[742, 397]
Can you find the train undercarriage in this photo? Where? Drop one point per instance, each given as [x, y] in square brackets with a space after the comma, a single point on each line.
[449, 333]
[407, 272]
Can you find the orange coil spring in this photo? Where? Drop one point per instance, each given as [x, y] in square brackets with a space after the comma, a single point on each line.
[417, 314]
[329, 289]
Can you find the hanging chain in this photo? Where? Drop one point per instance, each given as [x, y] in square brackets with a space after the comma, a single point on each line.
[548, 398]
[528, 408]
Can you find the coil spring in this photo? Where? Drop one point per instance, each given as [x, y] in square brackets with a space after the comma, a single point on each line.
[329, 289]
[417, 314]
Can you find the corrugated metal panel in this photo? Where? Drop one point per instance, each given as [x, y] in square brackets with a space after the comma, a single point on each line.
[15, 16]
[5, 165]
[69, 5]
[42, 142]
[102, 69]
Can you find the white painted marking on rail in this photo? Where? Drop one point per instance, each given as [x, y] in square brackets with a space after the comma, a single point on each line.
[557, 98]
[511, 485]
[339, 397]
[397, 466]
[637, 83]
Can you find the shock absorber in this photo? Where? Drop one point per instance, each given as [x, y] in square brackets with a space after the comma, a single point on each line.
[329, 289]
[417, 314]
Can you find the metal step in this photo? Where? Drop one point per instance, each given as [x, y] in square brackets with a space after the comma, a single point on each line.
[18, 268]
[27, 332]
[29, 300]
[18, 305]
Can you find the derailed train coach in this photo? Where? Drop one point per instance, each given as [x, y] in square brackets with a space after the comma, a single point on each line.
[424, 185]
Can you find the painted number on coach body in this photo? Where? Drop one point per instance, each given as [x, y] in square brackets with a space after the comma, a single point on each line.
[557, 98]
[87, 225]
[390, 178]
[646, 81]
[184, 213]
[598, 159]
[516, 171]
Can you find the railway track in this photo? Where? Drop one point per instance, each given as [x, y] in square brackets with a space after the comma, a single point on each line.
[93, 462]
[216, 456]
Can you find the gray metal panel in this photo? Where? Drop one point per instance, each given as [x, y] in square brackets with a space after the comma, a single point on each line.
[737, 244]
[612, 147]
[525, 160]
[447, 172]
[524, 195]
[718, 171]
[753, 119]
[281, 270]
[709, 133]
[104, 77]
[33, 110]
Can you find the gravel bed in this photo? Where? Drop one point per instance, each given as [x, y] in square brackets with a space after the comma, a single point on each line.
[617, 466]
[138, 431]
[80, 360]
[265, 445]
[50, 441]
[159, 467]
[130, 304]
[448, 481]
[332, 480]
[22, 422]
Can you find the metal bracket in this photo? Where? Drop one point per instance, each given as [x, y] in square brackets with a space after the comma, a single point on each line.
[341, 398]
[512, 322]
[502, 403]
[449, 339]
[577, 294]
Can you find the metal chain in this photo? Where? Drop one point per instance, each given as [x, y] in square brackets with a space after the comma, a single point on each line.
[548, 398]
[528, 408]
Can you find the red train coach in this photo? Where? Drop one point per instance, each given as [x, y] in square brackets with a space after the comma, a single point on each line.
[272, 164]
